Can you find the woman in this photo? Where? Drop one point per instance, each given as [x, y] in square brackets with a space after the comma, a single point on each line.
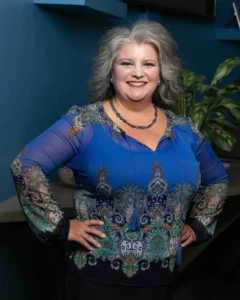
[148, 182]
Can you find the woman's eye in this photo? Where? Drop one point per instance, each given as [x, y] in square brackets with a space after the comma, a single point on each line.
[149, 64]
[125, 63]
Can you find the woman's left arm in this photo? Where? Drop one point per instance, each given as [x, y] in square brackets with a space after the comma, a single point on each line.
[211, 196]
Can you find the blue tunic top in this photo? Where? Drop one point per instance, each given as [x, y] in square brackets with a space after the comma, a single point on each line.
[143, 196]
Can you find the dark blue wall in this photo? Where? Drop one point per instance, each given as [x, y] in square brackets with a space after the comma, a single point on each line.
[196, 37]
[45, 63]
[46, 60]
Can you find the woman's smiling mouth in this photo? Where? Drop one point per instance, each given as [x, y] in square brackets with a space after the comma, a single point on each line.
[136, 83]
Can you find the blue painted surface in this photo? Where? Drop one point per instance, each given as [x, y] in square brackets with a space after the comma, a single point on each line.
[225, 12]
[228, 34]
[113, 7]
[45, 64]
[1, 277]
[46, 61]
[199, 49]
[61, 2]
[226, 23]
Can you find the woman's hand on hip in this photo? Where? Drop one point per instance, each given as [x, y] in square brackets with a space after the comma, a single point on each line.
[81, 232]
[188, 236]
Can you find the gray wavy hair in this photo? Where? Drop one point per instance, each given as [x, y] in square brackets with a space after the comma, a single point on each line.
[148, 32]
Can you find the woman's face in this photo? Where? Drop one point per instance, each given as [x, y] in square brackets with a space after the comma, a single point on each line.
[136, 72]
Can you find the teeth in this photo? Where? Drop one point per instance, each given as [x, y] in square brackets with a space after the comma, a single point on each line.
[136, 83]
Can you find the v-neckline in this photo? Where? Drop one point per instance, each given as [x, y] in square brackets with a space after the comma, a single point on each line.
[117, 128]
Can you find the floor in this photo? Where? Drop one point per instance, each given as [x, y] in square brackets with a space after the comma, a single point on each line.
[215, 274]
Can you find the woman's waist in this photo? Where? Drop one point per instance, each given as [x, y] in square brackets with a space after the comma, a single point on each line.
[128, 252]
[120, 272]
[155, 240]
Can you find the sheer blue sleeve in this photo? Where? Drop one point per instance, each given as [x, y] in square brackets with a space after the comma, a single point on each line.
[52, 148]
[212, 193]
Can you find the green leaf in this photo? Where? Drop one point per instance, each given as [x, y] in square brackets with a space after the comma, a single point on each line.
[181, 104]
[197, 86]
[225, 124]
[222, 110]
[199, 114]
[220, 137]
[189, 101]
[228, 90]
[220, 115]
[187, 78]
[210, 91]
[190, 80]
[207, 135]
[225, 68]
[235, 113]
[216, 115]
[228, 112]
[228, 103]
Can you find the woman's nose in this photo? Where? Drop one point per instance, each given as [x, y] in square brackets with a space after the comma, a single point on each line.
[137, 72]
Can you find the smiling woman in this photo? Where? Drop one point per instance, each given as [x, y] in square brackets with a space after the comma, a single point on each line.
[142, 36]
[135, 76]
[136, 72]
[147, 182]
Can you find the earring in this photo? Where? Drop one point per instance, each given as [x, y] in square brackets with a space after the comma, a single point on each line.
[159, 81]
[111, 80]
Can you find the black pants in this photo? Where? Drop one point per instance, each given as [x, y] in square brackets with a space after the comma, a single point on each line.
[76, 288]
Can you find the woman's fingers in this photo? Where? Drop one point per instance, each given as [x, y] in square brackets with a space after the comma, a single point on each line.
[93, 222]
[89, 239]
[185, 233]
[185, 236]
[188, 236]
[188, 241]
[185, 229]
[94, 231]
[83, 232]
[83, 242]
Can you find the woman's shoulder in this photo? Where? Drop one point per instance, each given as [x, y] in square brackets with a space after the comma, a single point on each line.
[87, 114]
[77, 109]
[174, 119]
[182, 123]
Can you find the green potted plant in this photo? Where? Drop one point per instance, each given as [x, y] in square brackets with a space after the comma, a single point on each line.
[210, 107]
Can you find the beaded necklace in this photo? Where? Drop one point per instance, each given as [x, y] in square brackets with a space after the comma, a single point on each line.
[135, 126]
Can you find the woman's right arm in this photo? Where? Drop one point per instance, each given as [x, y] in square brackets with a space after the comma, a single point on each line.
[58, 144]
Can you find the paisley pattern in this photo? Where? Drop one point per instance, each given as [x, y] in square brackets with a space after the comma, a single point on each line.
[76, 128]
[160, 223]
[38, 203]
[162, 205]
[195, 129]
[173, 120]
[208, 204]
